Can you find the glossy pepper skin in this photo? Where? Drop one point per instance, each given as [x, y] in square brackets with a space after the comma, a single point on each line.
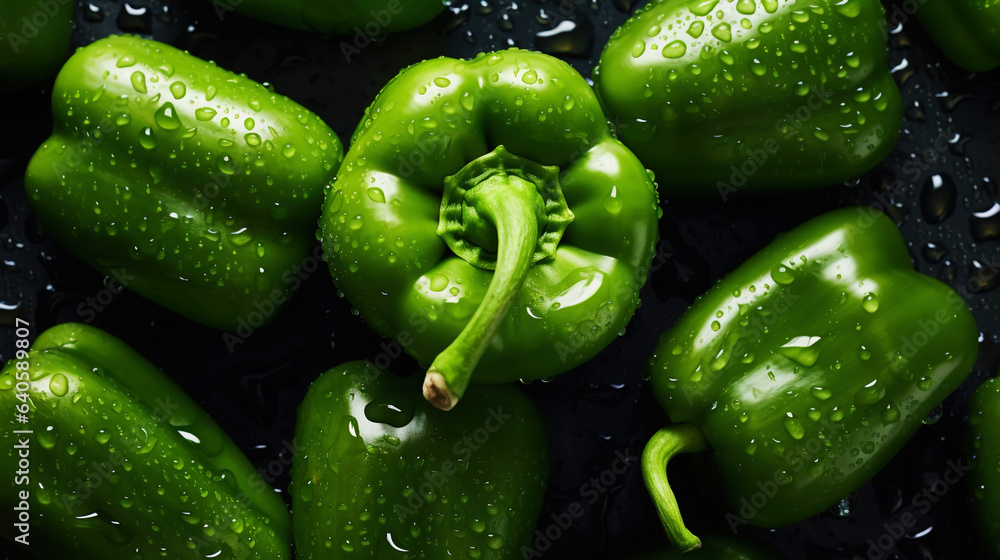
[198, 186]
[984, 462]
[752, 94]
[34, 41]
[486, 218]
[348, 17]
[806, 369]
[383, 474]
[718, 547]
[124, 464]
[968, 31]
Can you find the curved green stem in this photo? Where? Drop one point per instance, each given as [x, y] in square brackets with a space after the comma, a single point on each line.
[510, 204]
[662, 447]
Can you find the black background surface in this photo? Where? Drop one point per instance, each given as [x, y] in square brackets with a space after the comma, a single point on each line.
[602, 407]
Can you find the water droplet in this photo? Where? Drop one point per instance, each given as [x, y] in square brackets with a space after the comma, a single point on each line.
[178, 89]
[934, 415]
[848, 8]
[438, 282]
[794, 427]
[821, 393]
[59, 385]
[166, 117]
[204, 113]
[870, 393]
[869, 302]
[226, 164]
[696, 29]
[125, 61]
[376, 194]
[937, 199]
[985, 225]
[675, 49]
[147, 139]
[722, 32]
[802, 350]
[782, 274]
[139, 81]
[394, 410]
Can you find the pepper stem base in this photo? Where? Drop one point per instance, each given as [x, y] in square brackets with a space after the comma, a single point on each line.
[436, 391]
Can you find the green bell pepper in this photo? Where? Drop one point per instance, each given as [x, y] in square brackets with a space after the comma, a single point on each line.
[198, 187]
[34, 41]
[487, 219]
[383, 474]
[984, 462]
[369, 19]
[806, 369]
[968, 31]
[120, 463]
[719, 547]
[752, 94]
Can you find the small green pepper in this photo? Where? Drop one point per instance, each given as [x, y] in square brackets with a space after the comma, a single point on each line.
[486, 217]
[120, 463]
[806, 369]
[197, 186]
[755, 94]
[370, 18]
[984, 462]
[968, 31]
[382, 474]
[34, 41]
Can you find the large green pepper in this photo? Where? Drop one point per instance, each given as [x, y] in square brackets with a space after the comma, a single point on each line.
[120, 463]
[382, 474]
[485, 211]
[806, 369]
[968, 31]
[752, 94]
[719, 547]
[366, 19]
[984, 462]
[199, 188]
[34, 41]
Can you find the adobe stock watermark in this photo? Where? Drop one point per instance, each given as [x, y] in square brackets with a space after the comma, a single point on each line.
[372, 29]
[292, 279]
[435, 478]
[787, 126]
[899, 15]
[589, 492]
[117, 280]
[587, 332]
[749, 334]
[922, 502]
[32, 25]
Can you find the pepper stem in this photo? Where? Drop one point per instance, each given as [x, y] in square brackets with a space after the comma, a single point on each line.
[663, 446]
[511, 205]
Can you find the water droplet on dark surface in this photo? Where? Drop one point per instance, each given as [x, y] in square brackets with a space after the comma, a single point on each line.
[934, 252]
[985, 225]
[575, 38]
[937, 199]
[948, 272]
[10, 311]
[135, 18]
[845, 507]
[93, 12]
[934, 415]
[982, 278]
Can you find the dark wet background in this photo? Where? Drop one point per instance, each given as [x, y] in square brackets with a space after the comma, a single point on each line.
[601, 408]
